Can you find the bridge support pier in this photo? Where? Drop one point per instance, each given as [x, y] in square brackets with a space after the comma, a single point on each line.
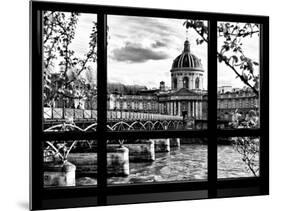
[141, 151]
[193, 141]
[174, 142]
[117, 162]
[162, 145]
[59, 174]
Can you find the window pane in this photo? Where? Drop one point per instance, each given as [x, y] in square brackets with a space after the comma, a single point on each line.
[156, 160]
[238, 75]
[157, 73]
[71, 163]
[69, 69]
[238, 157]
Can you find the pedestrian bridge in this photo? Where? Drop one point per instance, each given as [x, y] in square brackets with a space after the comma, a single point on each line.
[59, 119]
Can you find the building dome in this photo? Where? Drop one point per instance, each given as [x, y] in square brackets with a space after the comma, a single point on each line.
[187, 71]
[187, 59]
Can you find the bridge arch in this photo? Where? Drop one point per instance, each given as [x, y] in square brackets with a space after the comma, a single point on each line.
[148, 125]
[136, 123]
[179, 125]
[63, 127]
[110, 128]
[120, 126]
[92, 126]
[171, 125]
[158, 126]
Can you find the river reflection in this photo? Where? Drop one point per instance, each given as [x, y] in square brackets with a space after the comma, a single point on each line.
[186, 163]
[189, 162]
[230, 164]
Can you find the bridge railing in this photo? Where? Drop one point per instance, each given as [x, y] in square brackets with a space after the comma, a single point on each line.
[129, 115]
[68, 113]
[76, 114]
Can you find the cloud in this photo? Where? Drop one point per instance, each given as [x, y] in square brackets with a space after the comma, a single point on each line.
[136, 53]
[146, 29]
[158, 44]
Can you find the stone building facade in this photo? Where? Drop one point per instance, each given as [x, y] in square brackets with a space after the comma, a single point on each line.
[185, 98]
[242, 101]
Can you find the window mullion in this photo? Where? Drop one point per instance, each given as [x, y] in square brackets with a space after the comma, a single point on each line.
[264, 107]
[102, 105]
[212, 108]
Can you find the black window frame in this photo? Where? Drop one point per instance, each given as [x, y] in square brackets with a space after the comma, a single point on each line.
[42, 198]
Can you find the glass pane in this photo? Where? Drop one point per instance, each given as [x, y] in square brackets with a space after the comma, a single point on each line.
[238, 75]
[71, 163]
[69, 70]
[238, 157]
[157, 73]
[156, 160]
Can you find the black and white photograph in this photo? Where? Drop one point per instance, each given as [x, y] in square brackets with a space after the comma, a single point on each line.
[140, 105]
[238, 104]
[69, 70]
[157, 74]
[156, 81]
[69, 96]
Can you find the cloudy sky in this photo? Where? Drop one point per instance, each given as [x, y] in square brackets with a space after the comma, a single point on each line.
[251, 49]
[141, 50]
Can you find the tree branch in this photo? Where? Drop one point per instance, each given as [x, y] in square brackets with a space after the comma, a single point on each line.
[219, 55]
[236, 72]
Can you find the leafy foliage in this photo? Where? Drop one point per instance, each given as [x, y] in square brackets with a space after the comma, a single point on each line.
[58, 33]
[231, 51]
[57, 151]
[248, 147]
[232, 55]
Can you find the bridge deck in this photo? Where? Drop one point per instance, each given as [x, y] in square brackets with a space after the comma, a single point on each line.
[60, 114]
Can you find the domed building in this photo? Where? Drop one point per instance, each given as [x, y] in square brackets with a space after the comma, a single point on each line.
[185, 100]
[186, 97]
[187, 71]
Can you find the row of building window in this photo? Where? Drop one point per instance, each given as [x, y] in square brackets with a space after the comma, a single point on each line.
[181, 74]
[238, 103]
[185, 82]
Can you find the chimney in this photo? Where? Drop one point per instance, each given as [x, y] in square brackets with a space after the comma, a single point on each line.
[162, 86]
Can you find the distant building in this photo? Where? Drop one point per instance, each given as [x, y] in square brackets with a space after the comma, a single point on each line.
[224, 89]
[79, 93]
[237, 100]
[186, 97]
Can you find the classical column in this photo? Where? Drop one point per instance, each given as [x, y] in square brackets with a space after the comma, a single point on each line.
[168, 107]
[193, 110]
[193, 105]
[197, 109]
[189, 109]
[201, 109]
[192, 84]
[179, 108]
[175, 108]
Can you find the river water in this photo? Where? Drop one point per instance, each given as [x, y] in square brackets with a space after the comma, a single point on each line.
[186, 163]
